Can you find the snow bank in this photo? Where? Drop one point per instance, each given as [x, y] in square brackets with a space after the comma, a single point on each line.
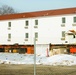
[62, 59]
[15, 58]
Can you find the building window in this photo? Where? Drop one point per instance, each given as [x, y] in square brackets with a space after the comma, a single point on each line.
[26, 35]
[63, 33]
[36, 22]
[74, 19]
[63, 20]
[26, 23]
[9, 24]
[36, 35]
[9, 37]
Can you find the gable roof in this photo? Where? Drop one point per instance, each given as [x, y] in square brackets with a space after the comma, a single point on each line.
[39, 13]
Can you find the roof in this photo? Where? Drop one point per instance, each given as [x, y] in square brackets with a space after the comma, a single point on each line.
[39, 13]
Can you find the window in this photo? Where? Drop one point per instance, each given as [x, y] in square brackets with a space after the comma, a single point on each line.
[26, 35]
[9, 36]
[9, 24]
[74, 19]
[63, 20]
[26, 23]
[63, 33]
[36, 22]
[36, 35]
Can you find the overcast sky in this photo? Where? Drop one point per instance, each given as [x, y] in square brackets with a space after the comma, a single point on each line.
[38, 5]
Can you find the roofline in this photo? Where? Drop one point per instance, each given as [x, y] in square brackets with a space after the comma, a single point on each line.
[39, 13]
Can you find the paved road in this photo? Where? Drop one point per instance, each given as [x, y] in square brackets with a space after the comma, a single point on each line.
[40, 70]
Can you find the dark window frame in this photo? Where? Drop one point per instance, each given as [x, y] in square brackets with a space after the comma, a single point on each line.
[36, 34]
[63, 33]
[26, 23]
[9, 36]
[63, 19]
[9, 24]
[36, 22]
[26, 35]
[74, 19]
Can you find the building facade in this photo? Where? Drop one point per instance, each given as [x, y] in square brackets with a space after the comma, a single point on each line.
[51, 26]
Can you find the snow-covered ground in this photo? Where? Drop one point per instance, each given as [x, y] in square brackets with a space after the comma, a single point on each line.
[15, 58]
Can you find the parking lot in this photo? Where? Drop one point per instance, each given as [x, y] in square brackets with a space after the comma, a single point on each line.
[11, 69]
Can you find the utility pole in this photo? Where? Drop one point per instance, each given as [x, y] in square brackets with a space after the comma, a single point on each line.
[34, 56]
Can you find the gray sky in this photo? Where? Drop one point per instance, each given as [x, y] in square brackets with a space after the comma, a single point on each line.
[38, 5]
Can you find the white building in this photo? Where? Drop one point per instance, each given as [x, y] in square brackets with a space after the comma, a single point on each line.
[50, 26]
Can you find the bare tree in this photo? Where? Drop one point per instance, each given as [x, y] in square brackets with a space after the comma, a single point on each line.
[5, 9]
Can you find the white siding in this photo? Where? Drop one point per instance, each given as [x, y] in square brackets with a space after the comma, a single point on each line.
[42, 49]
[49, 30]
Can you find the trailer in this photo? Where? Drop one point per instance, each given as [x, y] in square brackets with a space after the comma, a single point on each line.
[29, 49]
[64, 48]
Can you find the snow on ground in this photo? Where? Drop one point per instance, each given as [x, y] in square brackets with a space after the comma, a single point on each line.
[16, 58]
